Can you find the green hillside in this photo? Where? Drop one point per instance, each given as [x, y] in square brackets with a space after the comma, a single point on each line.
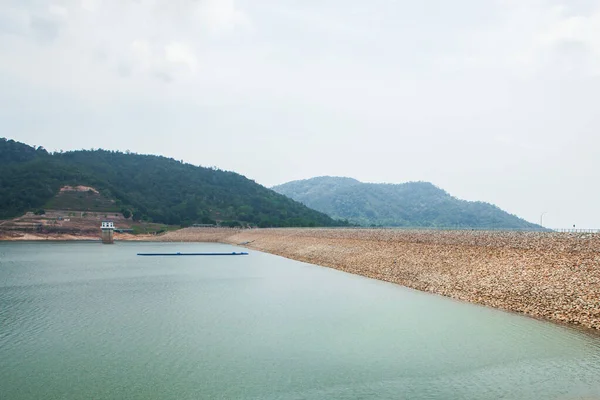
[412, 204]
[152, 188]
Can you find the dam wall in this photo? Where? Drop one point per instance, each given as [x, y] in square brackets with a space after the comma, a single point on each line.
[555, 276]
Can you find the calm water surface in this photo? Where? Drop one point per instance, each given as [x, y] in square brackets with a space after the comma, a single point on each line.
[89, 321]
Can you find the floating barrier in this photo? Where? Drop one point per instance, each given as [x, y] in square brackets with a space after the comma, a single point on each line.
[191, 254]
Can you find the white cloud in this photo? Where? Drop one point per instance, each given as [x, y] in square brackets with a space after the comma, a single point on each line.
[90, 5]
[567, 32]
[58, 12]
[142, 53]
[163, 62]
[221, 15]
[531, 38]
[151, 38]
[180, 53]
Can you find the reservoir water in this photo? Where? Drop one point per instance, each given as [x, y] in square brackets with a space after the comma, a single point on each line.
[91, 321]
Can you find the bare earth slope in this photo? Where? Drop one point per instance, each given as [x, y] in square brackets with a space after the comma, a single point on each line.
[550, 275]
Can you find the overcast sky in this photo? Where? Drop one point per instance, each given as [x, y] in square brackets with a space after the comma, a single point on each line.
[493, 100]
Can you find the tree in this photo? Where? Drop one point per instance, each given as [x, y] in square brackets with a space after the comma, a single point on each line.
[144, 187]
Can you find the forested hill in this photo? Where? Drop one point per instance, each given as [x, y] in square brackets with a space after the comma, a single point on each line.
[152, 188]
[412, 204]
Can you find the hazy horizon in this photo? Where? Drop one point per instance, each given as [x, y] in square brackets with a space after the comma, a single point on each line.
[492, 100]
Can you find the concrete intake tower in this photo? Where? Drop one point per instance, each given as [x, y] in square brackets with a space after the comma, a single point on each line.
[108, 229]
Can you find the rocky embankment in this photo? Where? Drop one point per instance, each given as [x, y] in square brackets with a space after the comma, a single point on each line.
[549, 275]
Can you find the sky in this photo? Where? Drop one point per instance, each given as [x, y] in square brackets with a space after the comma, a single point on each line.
[491, 100]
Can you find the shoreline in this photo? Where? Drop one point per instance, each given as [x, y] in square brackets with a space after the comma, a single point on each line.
[551, 276]
[36, 237]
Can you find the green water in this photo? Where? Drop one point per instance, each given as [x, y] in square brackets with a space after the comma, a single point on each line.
[90, 321]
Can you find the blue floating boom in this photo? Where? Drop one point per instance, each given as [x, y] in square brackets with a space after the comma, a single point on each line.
[191, 254]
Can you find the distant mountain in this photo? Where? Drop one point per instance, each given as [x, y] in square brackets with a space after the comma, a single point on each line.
[151, 188]
[412, 204]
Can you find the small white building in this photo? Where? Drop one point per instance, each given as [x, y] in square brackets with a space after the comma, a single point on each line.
[108, 225]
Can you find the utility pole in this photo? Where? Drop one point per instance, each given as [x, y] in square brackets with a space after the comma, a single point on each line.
[542, 218]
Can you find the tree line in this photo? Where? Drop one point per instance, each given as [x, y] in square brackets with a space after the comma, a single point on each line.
[146, 187]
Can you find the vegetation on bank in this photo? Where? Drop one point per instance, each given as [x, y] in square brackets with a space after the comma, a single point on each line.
[145, 187]
[412, 204]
